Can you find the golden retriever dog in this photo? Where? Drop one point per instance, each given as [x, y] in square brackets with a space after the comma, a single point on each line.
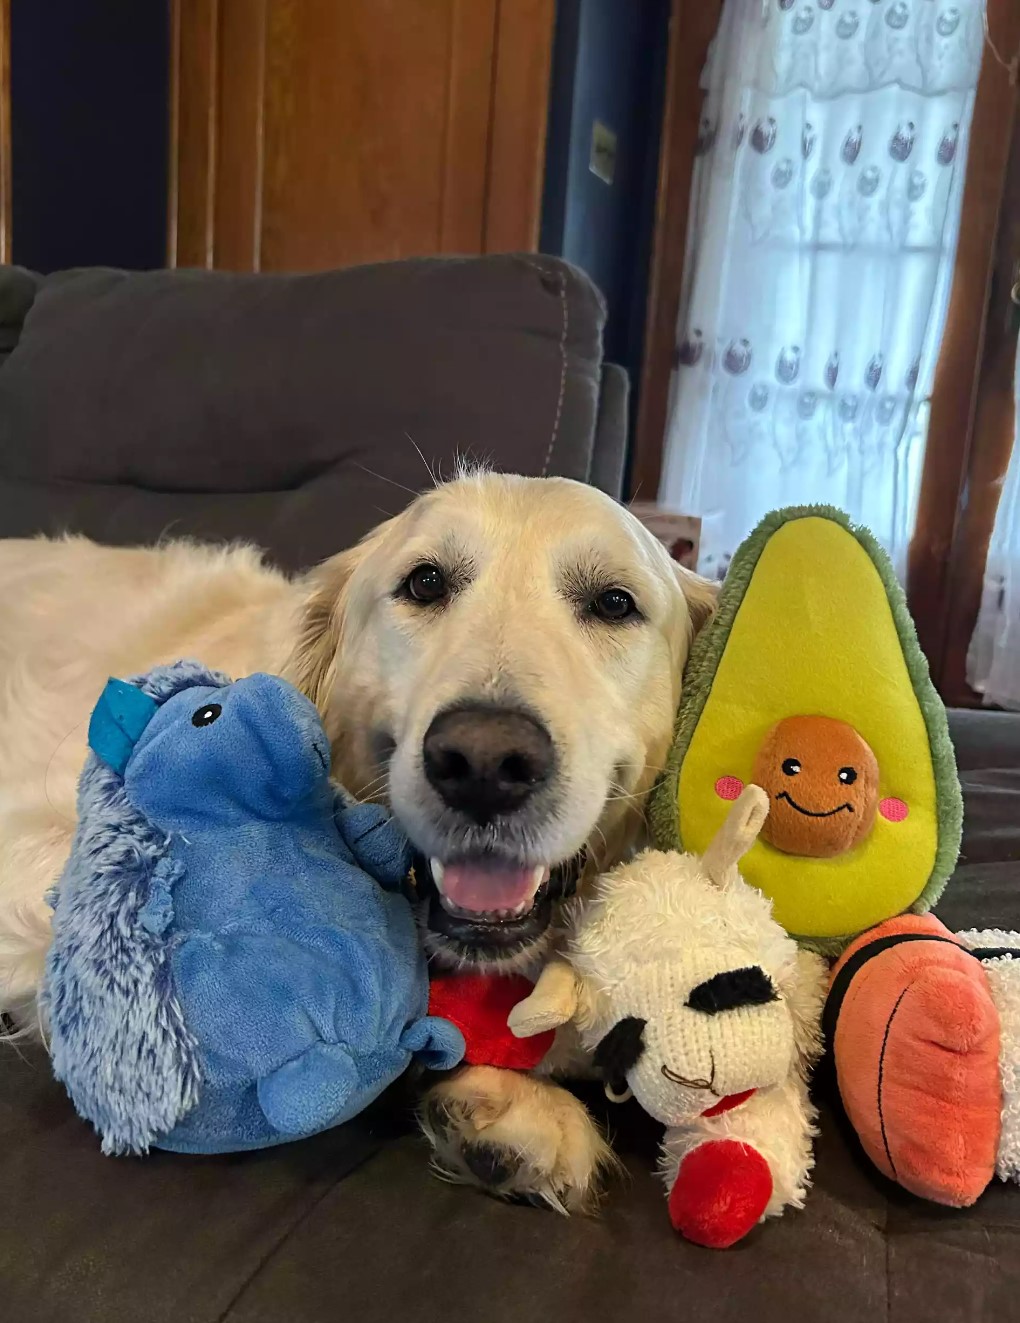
[500, 664]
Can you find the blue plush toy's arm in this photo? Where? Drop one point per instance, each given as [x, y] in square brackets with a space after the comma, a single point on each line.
[373, 837]
[437, 1044]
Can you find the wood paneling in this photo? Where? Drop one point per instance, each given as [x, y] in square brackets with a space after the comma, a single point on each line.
[955, 393]
[5, 130]
[693, 24]
[194, 102]
[310, 133]
[466, 125]
[520, 108]
[991, 442]
[238, 175]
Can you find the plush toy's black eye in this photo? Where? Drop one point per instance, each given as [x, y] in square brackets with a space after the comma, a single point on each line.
[426, 584]
[847, 775]
[614, 605]
[205, 716]
[791, 766]
[732, 989]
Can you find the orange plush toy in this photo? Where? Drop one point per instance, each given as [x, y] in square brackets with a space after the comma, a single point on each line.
[915, 1032]
[810, 684]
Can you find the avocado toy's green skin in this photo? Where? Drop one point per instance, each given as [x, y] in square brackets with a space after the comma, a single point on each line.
[703, 664]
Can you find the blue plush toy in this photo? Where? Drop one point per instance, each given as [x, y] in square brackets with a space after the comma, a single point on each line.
[227, 971]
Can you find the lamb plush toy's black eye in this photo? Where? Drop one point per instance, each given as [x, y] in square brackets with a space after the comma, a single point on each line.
[205, 716]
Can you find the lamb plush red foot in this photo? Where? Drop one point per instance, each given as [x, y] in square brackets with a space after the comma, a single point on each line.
[721, 1191]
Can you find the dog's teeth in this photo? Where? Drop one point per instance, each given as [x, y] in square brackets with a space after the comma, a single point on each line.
[483, 916]
[540, 875]
[438, 871]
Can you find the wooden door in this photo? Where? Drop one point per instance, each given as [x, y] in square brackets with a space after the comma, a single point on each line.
[318, 133]
[990, 441]
[692, 25]
[970, 433]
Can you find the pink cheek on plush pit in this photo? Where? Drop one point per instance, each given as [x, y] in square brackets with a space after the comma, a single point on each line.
[893, 810]
[729, 787]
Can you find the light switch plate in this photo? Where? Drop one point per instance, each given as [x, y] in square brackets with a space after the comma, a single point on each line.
[602, 161]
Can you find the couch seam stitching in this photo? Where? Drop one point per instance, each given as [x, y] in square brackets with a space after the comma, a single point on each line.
[271, 1252]
[564, 329]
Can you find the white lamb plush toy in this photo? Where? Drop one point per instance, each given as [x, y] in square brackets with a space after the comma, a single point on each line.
[692, 997]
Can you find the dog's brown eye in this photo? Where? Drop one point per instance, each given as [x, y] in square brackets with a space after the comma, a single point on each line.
[613, 605]
[426, 584]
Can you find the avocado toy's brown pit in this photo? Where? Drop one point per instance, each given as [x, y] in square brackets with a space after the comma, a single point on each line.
[821, 778]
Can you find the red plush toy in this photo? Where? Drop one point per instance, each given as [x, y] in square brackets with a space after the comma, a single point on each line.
[479, 1005]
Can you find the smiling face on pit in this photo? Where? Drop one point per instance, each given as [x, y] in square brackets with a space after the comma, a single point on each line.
[821, 778]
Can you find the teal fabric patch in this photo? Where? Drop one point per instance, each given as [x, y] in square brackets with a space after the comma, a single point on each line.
[117, 722]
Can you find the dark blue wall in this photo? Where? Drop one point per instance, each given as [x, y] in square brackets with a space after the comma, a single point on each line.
[609, 62]
[89, 132]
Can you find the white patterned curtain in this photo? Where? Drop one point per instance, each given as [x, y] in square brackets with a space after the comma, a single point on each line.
[993, 661]
[824, 219]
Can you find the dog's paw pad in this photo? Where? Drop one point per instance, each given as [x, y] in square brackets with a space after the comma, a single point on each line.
[490, 1164]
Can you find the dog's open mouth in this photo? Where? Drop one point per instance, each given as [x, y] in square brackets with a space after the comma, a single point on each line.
[490, 902]
[486, 891]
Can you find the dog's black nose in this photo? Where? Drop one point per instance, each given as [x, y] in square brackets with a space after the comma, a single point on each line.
[486, 761]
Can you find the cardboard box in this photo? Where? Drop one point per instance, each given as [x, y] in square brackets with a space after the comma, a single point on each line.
[679, 533]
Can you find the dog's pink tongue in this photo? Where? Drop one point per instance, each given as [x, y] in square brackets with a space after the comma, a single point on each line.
[471, 887]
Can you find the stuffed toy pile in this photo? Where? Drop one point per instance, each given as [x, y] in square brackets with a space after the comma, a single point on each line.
[810, 683]
[693, 999]
[233, 963]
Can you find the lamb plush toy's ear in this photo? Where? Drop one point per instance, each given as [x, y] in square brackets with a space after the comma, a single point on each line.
[554, 1001]
[737, 834]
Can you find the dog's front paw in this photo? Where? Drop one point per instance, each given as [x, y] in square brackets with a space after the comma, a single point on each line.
[517, 1137]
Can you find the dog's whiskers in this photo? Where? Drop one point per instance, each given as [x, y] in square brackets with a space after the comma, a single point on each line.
[435, 480]
[373, 787]
[643, 766]
[624, 795]
[382, 478]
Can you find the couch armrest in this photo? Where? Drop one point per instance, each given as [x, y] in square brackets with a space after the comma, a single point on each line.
[609, 452]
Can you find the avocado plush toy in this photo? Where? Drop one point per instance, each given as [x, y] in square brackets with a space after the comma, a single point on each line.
[810, 683]
[233, 964]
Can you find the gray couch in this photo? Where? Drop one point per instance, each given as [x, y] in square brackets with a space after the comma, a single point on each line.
[291, 410]
[223, 406]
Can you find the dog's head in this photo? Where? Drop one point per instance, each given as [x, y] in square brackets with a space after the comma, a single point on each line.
[502, 663]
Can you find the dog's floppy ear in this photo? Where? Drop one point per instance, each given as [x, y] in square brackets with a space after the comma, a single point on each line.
[311, 666]
[312, 663]
[701, 594]
[619, 1051]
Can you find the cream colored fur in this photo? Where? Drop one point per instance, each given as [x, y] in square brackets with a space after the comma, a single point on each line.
[1003, 976]
[72, 613]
